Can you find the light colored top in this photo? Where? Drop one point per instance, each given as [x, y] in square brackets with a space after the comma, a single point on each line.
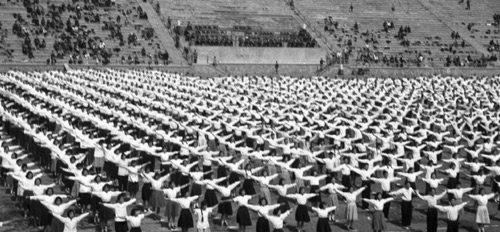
[431, 200]
[458, 193]
[277, 221]
[185, 202]
[378, 205]
[406, 193]
[70, 225]
[135, 221]
[323, 213]
[385, 184]
[451, 211]
[482, 200]
[302, 198]
[120, 209]
[203, 221]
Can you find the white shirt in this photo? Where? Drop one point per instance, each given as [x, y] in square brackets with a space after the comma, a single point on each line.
[385, 184]
[106, 196]
[302, 198]
[70, 225]
[323, 213]
[277, 221]
[120, 209]
[432, 200]
[378, 205]
[242, 200]
[185, 202]
[458, 193]
[433, 183]
[135, 221]
[203, 221]
[451, 211]
[406, 193]
[482, 200]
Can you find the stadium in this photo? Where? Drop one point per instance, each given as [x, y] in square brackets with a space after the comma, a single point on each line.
[226, 115]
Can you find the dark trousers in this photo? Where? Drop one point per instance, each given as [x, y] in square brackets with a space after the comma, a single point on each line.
[406, 213]
[366, 193]
[432, 219]
[121, 226]
[387, 205]
[452, 226]
[122, 183]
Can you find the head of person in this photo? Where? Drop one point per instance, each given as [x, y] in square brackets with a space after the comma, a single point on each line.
[29, 175]
[302, 190]
[482, 191]
[262, 201]
[242, 192]
[71, 214]
[38, 181]
[121, 198]
[453, 201]
[58, 201]
[105, 188]
[203, 205]
[49, 191]
[156, 176]
[378, 196]
[407, 184]
[433, 191]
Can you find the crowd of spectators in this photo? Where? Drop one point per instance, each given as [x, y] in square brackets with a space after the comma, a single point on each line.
[68, 25]
[244, 36]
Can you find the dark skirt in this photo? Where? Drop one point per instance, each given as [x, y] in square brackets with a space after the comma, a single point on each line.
[185, 219]
[106, 214]
[56, 225]
[196, 190]
[207, 169]
[146, 191]
[225, 206]
[301, 214]
[243, 217]
[211, 198]
[323, 225]
[378, 221]
[157, 199]
[317, 198]
[94, 203]
[26, 199]
[36, 209]
[171, 209]
[183, 181]
[284, 205]
[222, 172]
[262, 225]
[133, 187]
[248, 186]
[346, 181]
[135, 229]
[234, 177]
[452, 183]
[85, 199]
[45, 217]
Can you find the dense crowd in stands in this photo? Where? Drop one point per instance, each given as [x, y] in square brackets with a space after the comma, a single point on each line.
[70, 27]
[209, 35]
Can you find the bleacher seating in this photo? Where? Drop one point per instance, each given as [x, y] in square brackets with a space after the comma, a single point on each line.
[98, 23]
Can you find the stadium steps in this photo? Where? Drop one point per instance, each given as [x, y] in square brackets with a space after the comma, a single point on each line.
[166, 40]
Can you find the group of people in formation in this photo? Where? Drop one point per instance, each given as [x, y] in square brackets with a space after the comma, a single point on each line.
[123, 145]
